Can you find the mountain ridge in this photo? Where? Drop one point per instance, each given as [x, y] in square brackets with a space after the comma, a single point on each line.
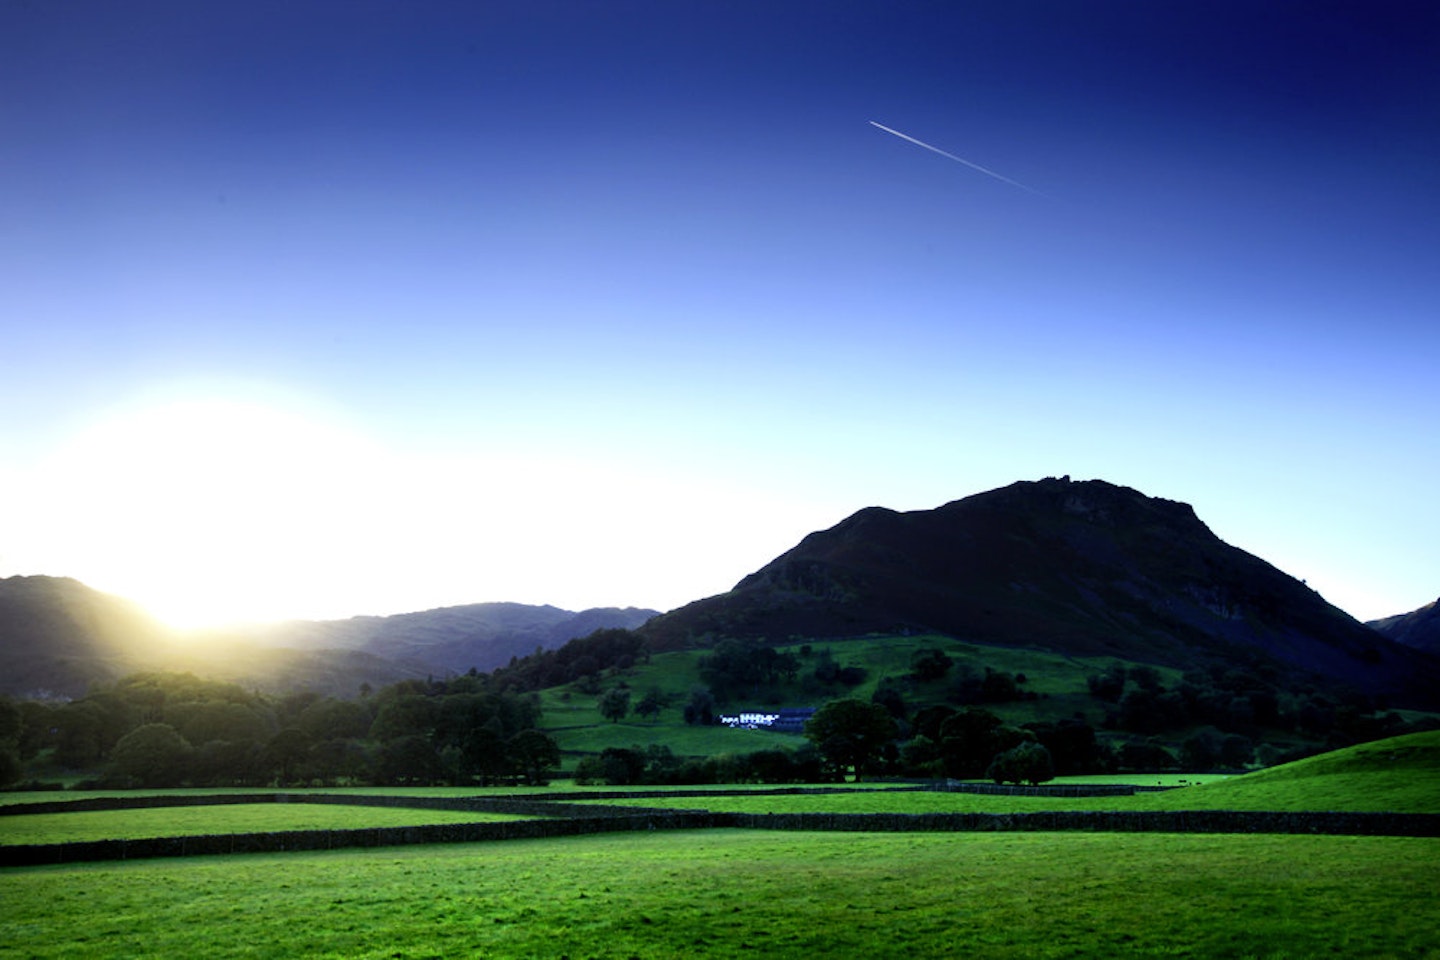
[1419, 628]
[454, 638]
[59, 636]
[1087, 567]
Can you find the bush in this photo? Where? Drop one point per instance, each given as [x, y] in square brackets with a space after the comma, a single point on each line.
[153, 755]
[1028, 762]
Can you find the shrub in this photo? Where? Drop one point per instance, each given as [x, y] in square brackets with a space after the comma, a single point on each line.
[1029, 762]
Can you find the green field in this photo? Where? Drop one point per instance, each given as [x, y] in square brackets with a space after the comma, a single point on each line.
[1399, 775]
[729, 893]
[725, 893]
[226, 818]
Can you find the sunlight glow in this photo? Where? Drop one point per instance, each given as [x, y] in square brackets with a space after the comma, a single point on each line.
[215, 512]
[206, 510]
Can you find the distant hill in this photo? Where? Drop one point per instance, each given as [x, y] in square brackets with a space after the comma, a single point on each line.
[1419, 628]
[1085, 568]
[449, 639]
[58, 636]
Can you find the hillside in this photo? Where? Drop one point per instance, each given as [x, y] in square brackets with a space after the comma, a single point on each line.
[447, 639]
[1397, 775]
[1084, 568]
[58, 635]
[1419, 628]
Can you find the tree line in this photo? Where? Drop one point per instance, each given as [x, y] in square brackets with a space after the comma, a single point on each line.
[160, 729]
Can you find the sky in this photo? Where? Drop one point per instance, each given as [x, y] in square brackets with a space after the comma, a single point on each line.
[325, 309]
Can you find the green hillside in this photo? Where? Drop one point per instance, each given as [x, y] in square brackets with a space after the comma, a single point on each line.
[1055, 686]
[1398, 775]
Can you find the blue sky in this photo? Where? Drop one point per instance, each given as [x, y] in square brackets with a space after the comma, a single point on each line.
[323, 309]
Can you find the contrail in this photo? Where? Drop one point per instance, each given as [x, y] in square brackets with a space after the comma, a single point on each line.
[972, 166]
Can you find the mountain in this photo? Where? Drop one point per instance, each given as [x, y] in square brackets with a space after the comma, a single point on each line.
[449, 639]
[1418, 628]
[1085, 568]
[57, 636]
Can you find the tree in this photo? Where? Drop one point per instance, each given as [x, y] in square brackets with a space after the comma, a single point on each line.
[615, 703]
[409, 759]
[1237, 752]
[1108, 686]
[153, 754]
[968, 742]
[533, 755]
[742, 667]
[999, 687]
[620, 766]
[235, 763]
[11, 769]
[10, 726]
[851, 734]
[700, 710]
[332, 719]
[285, 755]
[650, 705]
[10, 721]
[406, 715]
[1028, 762]
[1072, 745]
[930, 664]
[888, 695]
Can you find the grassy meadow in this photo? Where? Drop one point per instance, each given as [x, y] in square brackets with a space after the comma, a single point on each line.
[227, 818]
[728, 893]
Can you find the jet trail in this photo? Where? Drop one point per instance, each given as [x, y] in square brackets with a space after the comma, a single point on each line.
[943, 153]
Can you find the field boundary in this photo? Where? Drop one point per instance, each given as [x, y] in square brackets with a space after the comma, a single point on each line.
[567, 820]
[553, 800]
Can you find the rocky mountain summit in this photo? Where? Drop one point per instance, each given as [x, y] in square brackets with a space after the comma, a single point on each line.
[1083, 567]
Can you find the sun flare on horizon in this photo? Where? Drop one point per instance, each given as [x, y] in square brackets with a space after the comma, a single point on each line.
[206, 511]
[215, 512]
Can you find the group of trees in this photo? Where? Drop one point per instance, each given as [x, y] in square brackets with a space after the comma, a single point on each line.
[169, 729]
[579, 659]
[967, 685]
[755, 670]
[1235, 702]
[656, 764]
[859, 737]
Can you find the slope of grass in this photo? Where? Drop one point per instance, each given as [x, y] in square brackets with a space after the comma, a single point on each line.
[573, 718]
[227, 818]
[731, 893]
[1399, 775]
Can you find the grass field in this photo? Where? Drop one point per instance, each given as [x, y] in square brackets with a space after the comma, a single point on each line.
[726, 893]
[731, 893]
[227, 818]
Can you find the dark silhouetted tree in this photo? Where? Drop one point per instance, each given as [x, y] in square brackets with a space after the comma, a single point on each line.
[615, 704]
[930, 664]
[1027, 762]
[650, 705]
[700, 710]
[533, 755]
[851, 734]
